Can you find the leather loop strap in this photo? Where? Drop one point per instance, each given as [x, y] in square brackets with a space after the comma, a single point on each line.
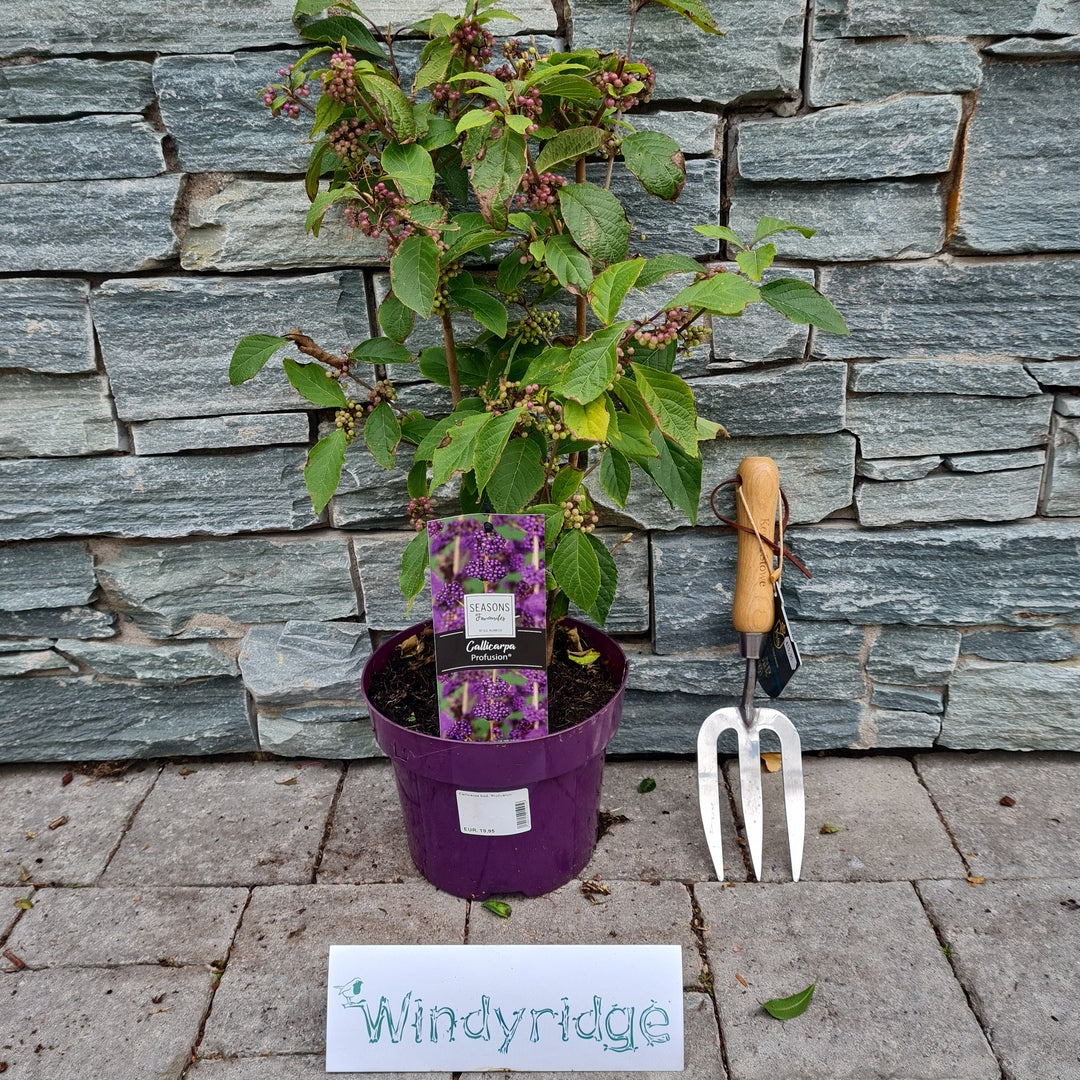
[769, 543]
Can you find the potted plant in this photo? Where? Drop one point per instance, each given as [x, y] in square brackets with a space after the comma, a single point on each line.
[475, 176]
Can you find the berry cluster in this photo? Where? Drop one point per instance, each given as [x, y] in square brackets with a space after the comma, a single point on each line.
[538, 191]
[346, 419]
[473, 44]
[420, 509]
[294, 89]
[614, 86]
[349, 139]
[339, 79]
[538, 326]
[579, 516]
[382, 391]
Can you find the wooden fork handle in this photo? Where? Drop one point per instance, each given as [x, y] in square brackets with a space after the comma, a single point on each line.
[759, 486]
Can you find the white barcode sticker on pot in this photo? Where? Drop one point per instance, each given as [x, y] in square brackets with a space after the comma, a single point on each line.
[494, 813]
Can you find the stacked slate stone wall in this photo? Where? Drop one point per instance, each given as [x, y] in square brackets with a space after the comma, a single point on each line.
[165, 587]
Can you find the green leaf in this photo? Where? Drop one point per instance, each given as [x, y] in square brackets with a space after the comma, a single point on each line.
[596, 221]
[495, 179]
[472, 365]
[719, 232]
[800, 302]
[488, 312]
[553, 520]
[576, 569]
[381, 350]
[322, 202]
[490, 444]
[517, 477]
[436, 63]
[24, 904]
[768, 226]
[609, 288]
[497, 907]
[382, 433]
[724, 294]
[789, 1007]
[754, 263]
[519, 123]
[663, 266]
[489, 85]
[314, 169]
[676, 474]
[592, 364]
[474, 118]
[569, 145]
[567, 262]
[394, 104]
[251, 354]
[632, 439]
[609, 580]
[656, 160]
[457, 455]
[327, 113]
[696, 12]
[707, 430]
[584, 659]
[615, 476]
[548, 366]
[414, 273]
[671, 403]
[456, 178]
[573, 88]
[311, 382]
[395, 319]
[663, 359]
[411, 168]
[416, 482]
[434, 435]
[646, 785]
[414, 564]
[512, 272]
[587, 422]
[356, 34]
[440, 133]
[470, 241]
[567, 481]
[323, 469]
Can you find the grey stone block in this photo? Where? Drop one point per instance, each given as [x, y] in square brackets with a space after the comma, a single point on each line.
[20, 663]
[1035, 209]
[213, 110]
[759, 333]
[1009, 706]
[859, 796]
[757, 60]
[1036, 48]
[211, 589]
[113, 927]
[852, 937]
[259, 225]
[218, 432]
[845, 72]
[799, 399]
[56, 416]
[1061, 497]
[893, 729]
[45, 324]
[906, 699]
[304, 661]
[77, 622]
[1067, 405]
[630, 610]
[995, 462]
[290, 929]
[89, 148]
[368, 842]
[1012, 945]
[1061, 374]
[955, 18]
[145, 324]
[987, 377]
[908, 136]
[157, 663]
[45, 575]
[897, 468]
[828, 639]
[880, 219]
[81, 719]
[985, 496]
[220, 494]
[963, 308]
[906, 425]
[695, 132]
[1036, 838]
[1020, 644]
[65, 86]
[228, 823]
[315, 736]
[913, 656]
[371, 497]
[110, 1023]
[97, 812]
[944, 576]
[378, 562]
[66, 226]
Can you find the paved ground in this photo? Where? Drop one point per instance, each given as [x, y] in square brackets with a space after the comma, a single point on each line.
[172, 920]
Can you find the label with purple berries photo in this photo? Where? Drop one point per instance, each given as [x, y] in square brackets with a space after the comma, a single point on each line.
[489, 609]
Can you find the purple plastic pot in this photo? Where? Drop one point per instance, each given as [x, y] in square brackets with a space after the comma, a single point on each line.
[561, 772]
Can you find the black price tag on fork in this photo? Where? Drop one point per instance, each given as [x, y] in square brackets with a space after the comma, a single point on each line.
[780, 658]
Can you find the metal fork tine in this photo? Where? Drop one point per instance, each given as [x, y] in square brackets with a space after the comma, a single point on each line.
[709, 786]
[794, 798]
[750, 792]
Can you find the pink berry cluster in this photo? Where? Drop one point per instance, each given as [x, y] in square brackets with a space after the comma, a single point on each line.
[339, 79]
[382, 391]
[292, 93]
[613, 85]
[473, 44]
[446, 95]
[538, 191]
[420, 509]
[380, 217]
[578, 515]
[348, 140]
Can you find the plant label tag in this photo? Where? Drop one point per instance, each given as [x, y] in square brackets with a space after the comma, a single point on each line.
[494, 813]
[489, 613]
[615, 1009]
[781, 659]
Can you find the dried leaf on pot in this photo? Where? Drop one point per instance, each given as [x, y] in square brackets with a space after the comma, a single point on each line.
[584, 658]
[594, 891]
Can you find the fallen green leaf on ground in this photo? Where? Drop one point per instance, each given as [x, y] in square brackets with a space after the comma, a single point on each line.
[790, 1007]
[826, 829]
[647, 784]
[497, 907]
[26, 905]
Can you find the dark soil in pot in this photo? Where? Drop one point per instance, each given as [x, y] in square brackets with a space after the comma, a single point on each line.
[405, 690]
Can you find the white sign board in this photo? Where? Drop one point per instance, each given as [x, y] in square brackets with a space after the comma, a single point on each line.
[557, 1008]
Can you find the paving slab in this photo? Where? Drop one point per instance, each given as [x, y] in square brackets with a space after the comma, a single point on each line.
[272, 997]
[700, 1039]
[367, 841]
[133, 1023]
[10, 898]
[662, 838]
[886, 1002]
[96, 813]
[228, 823]
[134, 925]
[1037, 837]
[888, 827]
[1015, 946]
[635, 913]
[282, 1067]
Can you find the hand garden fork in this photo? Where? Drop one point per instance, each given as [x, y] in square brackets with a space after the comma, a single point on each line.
[757, 498]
